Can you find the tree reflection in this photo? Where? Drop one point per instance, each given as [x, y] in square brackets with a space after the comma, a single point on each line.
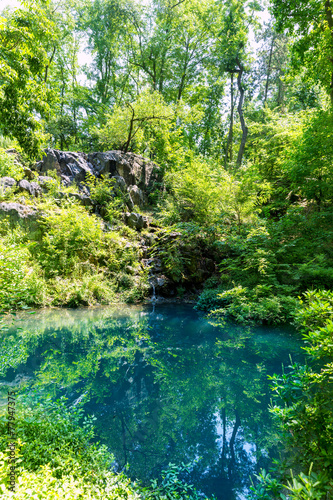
[166, 387]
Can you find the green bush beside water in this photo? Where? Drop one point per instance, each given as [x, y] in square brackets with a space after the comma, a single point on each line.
[303, 407]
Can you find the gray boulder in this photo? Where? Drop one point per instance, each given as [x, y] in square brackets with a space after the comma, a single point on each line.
[104, 163]
[37, 190]
[82, 198]
[6, 183]
[135, 169]
[135, 221]
[18, 213]
[120, 183]
[43, 181]
[25, 186]
[49, 162]
[69, 166]
[29, 187]
[127, 168]
[136, 195]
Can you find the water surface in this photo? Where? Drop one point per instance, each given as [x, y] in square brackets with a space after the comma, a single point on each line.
[165, 385]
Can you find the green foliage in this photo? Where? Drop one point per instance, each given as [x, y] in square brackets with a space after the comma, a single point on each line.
[258, 305]
[306, 486]
[197, 195]
[315, 311]
[56, 458]
[272, 136]
[171, 486]
[23, 94]
[157, 86]
[210, 299]
[58, 436]
[206, 194]
[106, 193]
[304, 403]
[9, 166]
[71, 235]
[14, 265]
[71, 261]
[267, 487]
[146, 126]
[302, 487]
[186, 251]
[310, 162]
[101, 190]
[310, 25]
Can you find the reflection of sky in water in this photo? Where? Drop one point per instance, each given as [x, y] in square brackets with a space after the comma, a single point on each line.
[161, 380]
[248, 447]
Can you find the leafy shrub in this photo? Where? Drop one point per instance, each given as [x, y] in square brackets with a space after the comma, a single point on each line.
[310, 161]
[53, 434]
[106, 193]
[70, 235]
[171, 486]
[57, 459]
[9, 166]
[197, 195]
[73, 261]
[210, 299]
[87, 291]
[44, 484]
[302, 487]
[315, 310]
[304, 400]
[258, 305]
[14, 264]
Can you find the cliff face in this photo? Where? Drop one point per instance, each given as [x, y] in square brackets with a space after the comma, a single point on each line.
[133, 175]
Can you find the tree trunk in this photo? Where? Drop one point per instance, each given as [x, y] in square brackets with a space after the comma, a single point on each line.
[241, 116]
[280, 97]
[329, 18]
[232, 461]
[231, 126]
[129, 137]
[269, 68]
[46, 74]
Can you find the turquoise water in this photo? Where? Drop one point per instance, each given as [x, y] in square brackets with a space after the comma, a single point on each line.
[165, 385]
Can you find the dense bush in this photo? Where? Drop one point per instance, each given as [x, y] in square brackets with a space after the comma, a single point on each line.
[70, 236]
[303, 404]
[59, 436]
[72, 260]
[210, 299]
[9, 166]
[14, 266]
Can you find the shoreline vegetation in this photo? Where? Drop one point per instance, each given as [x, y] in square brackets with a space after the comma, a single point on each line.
[185, 161]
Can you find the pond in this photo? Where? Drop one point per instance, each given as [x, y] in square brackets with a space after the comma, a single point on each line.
[165, 385]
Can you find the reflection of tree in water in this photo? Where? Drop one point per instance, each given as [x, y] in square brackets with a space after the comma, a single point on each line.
[165, 390]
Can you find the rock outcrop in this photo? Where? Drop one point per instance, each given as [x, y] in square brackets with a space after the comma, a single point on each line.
[136, 221]
[19, 213]
[131, 171]
[31, 188]
[6, 183]
[69, 166]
